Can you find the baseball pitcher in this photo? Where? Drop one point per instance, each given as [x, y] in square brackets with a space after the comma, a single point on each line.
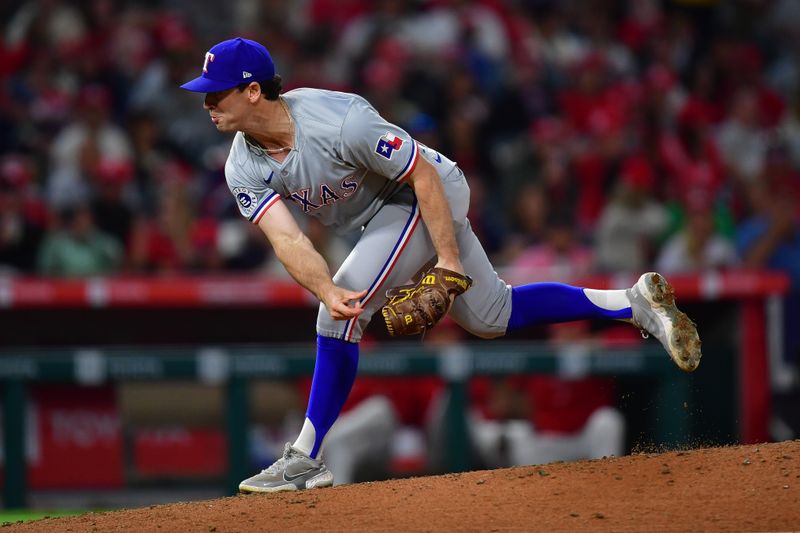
[338, 160]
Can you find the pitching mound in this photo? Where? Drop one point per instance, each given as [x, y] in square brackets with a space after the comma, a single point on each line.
[745, 488]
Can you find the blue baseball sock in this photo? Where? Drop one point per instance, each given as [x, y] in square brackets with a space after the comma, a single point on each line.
[334, 374]
[548, 303]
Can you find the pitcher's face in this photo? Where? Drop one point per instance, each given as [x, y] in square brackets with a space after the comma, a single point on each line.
[226, 108]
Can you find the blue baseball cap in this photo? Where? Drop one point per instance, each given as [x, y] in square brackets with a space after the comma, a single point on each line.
[231, 63]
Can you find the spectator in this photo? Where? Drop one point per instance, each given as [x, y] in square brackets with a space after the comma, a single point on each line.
[530, 213]
[113, 203]
[382, 77]
[543, 155]
[770, 238]
[742, 140]
[690, 156]
[176, 239]
[632, 223]
[55, 23]
[560, 257]
[558, 45]
[78, 148]
[747, 71]
[386, 19]
[601, 31]
[20, 222]
[699, 246]
[589, 104]
[150, 152]
[39, 105]
[466, 114]
[76, 248]
[598, 109]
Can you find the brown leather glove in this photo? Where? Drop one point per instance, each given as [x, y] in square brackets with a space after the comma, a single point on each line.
[414, 309]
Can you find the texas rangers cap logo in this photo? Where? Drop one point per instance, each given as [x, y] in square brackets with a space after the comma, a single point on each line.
[387, 144]
[209, 59]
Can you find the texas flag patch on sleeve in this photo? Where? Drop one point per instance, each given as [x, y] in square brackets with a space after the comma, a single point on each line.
[387, 144]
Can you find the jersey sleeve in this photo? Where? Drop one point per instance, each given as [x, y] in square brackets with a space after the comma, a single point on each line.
[252, 193]
[371, 142]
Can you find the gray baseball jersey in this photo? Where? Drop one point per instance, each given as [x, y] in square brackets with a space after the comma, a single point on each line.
[347, 168]
[346, 163]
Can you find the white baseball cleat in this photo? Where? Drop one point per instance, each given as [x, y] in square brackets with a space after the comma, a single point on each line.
[654, 312]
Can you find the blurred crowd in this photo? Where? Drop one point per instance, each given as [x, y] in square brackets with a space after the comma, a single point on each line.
[598, 136]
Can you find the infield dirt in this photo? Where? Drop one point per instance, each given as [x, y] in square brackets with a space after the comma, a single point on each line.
[742, 488]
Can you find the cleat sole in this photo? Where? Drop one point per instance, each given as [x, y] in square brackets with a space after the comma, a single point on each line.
[685, 342]
[682, 337]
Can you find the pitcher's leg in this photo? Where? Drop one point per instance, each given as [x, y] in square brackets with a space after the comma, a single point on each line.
[393, 247]
[547, 303]
[492, 307]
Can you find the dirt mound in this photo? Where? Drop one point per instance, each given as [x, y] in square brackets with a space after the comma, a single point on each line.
[744, 488]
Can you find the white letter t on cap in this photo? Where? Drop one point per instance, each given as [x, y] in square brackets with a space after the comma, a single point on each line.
[209, 57]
